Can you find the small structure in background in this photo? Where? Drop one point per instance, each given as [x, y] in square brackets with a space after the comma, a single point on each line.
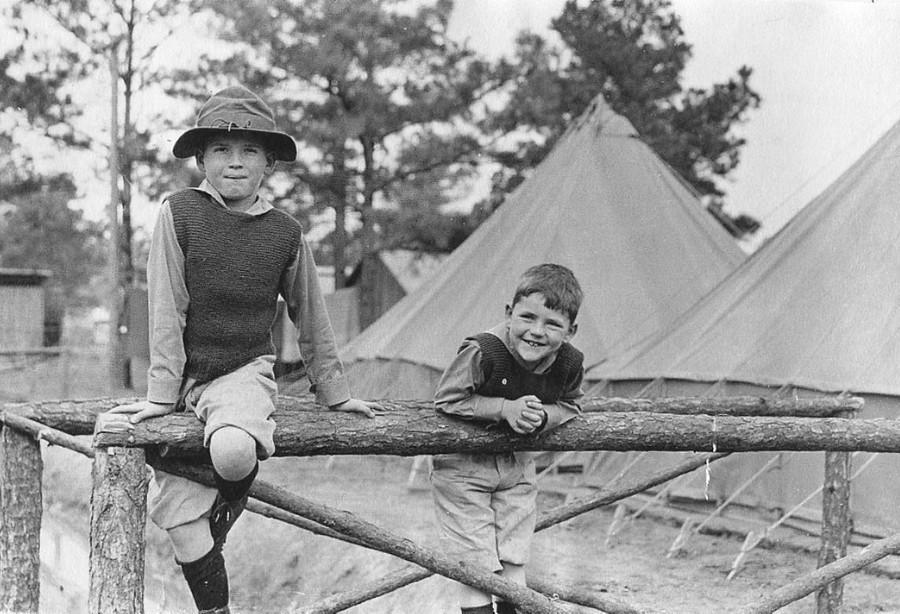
[393, 274]
[22, 308]
[397, 273]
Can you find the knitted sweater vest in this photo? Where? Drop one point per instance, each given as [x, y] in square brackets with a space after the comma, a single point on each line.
[233, 265]
[504, 377]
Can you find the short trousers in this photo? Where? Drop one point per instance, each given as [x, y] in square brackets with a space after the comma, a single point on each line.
[244, 398]
[485, 506]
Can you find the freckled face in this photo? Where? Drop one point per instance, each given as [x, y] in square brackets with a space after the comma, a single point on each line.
[535, 330]
[235, 165]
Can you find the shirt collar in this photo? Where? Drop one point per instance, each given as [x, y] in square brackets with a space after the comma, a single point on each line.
[501, 331]
[257, 208]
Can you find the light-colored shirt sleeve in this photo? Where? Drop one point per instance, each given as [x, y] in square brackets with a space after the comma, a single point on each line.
[567, 407]
[306, 308]
[168, 300]
[455, 393]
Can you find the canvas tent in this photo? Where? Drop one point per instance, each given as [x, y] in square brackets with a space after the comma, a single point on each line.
[601, 203]
[815, 311]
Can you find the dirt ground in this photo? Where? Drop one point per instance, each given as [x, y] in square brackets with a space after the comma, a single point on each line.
[632, 568]
[280, 568]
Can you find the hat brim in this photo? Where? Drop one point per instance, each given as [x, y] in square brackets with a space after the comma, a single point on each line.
[280, 144]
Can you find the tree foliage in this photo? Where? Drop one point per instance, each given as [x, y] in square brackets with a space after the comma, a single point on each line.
[38, 230]
[41, 231]
[58, 47]
[385, 106]
[632, 52]
[379, 93]
[33, 79]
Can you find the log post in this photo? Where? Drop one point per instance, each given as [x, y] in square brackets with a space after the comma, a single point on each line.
[21, 467]
[118, 517]
[835, 527]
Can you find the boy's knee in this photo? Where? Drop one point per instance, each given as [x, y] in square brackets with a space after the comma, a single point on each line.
[233, 452]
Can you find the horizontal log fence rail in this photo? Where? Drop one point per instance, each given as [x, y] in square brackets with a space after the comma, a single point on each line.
[717, 426]
[77, 417]
[413, 428]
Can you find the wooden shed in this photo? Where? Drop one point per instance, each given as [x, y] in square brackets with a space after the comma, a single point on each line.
[393, 274]
[22, 308]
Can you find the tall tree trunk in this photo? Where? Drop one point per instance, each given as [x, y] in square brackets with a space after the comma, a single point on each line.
[338, 194]
[368, 304]
[126, 166]
[116, 353]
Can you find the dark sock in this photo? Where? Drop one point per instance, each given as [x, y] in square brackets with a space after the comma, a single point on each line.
[233, 490]
[479, 609]
[208, 580]
[505, 607]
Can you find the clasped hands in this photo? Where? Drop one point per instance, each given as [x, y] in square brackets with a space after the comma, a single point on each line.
[524, 415]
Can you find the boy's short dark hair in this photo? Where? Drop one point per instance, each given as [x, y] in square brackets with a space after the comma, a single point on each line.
[561, 290]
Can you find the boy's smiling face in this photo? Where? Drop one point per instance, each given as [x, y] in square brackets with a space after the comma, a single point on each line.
[535, 330]
[235, 165]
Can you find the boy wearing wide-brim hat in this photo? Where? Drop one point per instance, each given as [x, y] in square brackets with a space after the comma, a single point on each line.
[219, 258]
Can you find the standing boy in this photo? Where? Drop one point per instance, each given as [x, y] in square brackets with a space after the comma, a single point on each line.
[525, 374]
[219, 258]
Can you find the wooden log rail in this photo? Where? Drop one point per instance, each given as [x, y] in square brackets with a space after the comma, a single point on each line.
[414, 428]
[78, 417]
[823, 576]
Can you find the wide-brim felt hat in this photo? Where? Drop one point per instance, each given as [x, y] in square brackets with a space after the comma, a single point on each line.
[238, 110]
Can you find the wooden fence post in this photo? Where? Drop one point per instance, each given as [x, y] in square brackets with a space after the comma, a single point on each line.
[835, 527]
[21, 467]
[118, 521]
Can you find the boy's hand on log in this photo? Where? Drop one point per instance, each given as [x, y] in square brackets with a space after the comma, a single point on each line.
[123, 418]
[525, 414]
[537, 406]
[369, 409]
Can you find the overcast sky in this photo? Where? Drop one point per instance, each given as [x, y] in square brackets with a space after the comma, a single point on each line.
[828, 72]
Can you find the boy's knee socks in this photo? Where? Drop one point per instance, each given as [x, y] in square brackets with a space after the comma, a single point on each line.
[208, 581]
[229, 504]
[505, 607]
[234, 490]
[479, 609]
